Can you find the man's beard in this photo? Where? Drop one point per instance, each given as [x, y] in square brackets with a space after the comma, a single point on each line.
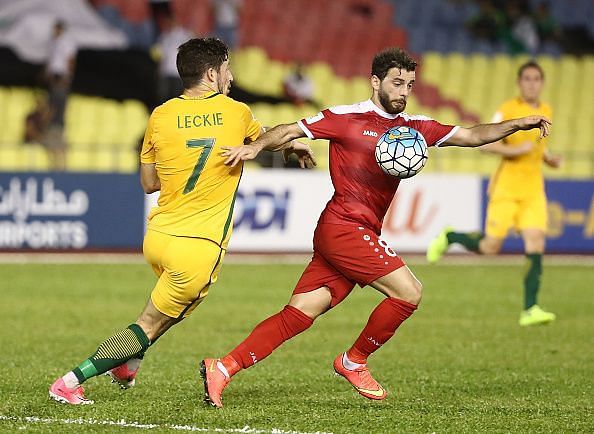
[221, 88]
[387, 104]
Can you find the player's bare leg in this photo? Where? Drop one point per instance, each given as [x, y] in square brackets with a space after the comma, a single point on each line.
[125, 374]
[471, 241]
[534, 245]
[296, 317]
[127, 344]
[403, 292]
[489, 245]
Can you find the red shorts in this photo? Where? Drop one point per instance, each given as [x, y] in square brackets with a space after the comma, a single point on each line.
[346, 255]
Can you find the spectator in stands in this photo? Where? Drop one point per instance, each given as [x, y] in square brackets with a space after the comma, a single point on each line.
[173, 35]
[59, 72]
[37, 122]
[546, 25]
[488, 22]
[131, 18]
[522, 35]
[298, 87]
[226, 14]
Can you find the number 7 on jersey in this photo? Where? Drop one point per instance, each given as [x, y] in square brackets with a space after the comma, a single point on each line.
[206, 145]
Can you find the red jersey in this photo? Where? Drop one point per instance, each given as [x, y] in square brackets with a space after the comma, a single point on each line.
[363, 192]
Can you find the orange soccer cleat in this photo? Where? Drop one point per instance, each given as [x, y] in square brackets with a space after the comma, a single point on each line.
[360, 379]
[215, 379]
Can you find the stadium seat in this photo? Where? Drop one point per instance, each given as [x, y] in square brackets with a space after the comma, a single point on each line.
[36, 157]
[19, 103]
[78, 160]
[13, 158]
[135, 115]
[104, 159]
[127, 161]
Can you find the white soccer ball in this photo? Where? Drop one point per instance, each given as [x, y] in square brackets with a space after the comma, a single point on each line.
[401, 152]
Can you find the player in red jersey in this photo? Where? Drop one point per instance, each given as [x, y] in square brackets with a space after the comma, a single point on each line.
[348, 249]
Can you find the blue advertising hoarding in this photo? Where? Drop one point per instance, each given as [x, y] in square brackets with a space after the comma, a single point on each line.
[70, 211]
[570, 217]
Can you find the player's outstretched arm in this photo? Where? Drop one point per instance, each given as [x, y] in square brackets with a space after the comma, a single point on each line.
[487, 133]
[278, 138]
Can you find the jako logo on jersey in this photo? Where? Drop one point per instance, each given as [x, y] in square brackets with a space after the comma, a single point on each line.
[370, 133]
[315, 118]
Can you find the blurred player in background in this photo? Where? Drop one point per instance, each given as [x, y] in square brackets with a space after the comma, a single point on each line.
[517, 197]
[189, 230]
[348, 249]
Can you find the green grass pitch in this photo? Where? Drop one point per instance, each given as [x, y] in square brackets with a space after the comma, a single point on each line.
[460, 364]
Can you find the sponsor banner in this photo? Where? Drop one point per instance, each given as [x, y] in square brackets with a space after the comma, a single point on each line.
[425, 204]
[570, 221]
[70, 211]
[277, 210]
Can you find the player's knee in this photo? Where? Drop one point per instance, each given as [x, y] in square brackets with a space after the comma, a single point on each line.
[411, 292]
[416, 293]
[314, 303]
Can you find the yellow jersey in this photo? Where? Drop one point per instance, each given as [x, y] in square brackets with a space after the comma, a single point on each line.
[520, 177]
[183, 139]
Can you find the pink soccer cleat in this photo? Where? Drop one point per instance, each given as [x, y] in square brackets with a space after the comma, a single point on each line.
[361, 380]
[65, 395]
[123, 375]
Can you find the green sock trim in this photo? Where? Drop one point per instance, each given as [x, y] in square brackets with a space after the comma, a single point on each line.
[141, 335]
[88, 369]
[124, 345]
[532, 279]
[469, 240]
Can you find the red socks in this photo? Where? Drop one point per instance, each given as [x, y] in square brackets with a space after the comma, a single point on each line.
[266, 337]
[289, 322]
[383, 322]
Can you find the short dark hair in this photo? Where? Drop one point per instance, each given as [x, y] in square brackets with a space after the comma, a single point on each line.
[197, 56]
[530, 64]
[391, 58]
[60, 24]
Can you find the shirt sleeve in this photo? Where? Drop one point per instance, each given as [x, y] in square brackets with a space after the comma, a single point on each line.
[435, 133]
[324, 125]
[147, 154]
[253, 125]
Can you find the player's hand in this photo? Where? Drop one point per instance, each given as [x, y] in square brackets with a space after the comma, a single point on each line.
[236, 154]
[530, 122]
[305, 155]
[553, 161]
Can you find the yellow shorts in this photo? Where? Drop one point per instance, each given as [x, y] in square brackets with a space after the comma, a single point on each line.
[517, 214]
[186, 268]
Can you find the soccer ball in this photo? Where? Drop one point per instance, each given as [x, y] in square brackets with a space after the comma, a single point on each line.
[401, 152]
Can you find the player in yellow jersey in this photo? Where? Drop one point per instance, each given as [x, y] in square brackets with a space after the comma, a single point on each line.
[517, 199]
[189, 230]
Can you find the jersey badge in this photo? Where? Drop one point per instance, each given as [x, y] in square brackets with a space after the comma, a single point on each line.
[315, 118]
